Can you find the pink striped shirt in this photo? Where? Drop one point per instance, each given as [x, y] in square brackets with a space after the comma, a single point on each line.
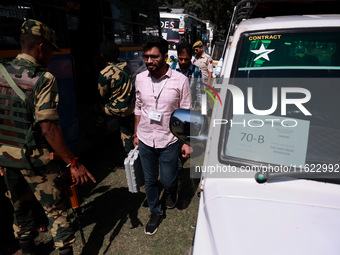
[175, 95]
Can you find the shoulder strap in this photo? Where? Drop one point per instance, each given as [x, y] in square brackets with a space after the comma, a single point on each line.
[15, 87]
[173, 65]
[120, 70]
[196, 71]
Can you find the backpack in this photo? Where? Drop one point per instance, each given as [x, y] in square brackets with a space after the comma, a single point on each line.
[18, 129]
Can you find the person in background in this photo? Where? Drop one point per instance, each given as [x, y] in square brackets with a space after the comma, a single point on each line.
[116, 90]
[207, 48]
[203, 61]
[194, 74]
[159, 91]
[29, 133]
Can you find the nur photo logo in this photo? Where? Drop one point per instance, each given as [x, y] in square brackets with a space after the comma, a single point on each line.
[213, 90]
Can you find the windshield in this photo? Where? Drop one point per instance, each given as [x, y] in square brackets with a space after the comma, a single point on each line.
[290, 86]
[170, 28]
[290, 54]
[11, 18]
[217, 50]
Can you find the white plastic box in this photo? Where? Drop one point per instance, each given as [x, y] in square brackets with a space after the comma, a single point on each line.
[134, 171]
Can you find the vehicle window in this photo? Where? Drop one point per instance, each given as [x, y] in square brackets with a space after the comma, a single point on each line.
[289, 51]
[170, 28]
[127, 24]
[271, 130]
[11, 17]
[218, 50]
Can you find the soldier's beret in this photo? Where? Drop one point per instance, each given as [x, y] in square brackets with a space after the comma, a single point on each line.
[38, 28]
[197, 44]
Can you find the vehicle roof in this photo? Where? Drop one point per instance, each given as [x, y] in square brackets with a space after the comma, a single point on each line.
[294, 21]
[170, 15]
[178, 15]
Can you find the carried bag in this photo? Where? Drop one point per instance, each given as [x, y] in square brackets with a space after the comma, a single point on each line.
[134, 171]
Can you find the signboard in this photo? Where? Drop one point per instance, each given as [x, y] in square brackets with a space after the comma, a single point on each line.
[268, 139]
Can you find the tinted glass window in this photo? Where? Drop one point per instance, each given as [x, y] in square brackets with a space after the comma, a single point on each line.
[13, 15]
[130, 22]
[218, 50]
[11, 18]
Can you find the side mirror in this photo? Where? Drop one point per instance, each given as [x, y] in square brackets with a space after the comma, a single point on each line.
[189, 126]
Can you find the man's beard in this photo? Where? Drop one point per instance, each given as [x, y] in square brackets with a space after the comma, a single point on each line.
[155, 68]
[185, 66]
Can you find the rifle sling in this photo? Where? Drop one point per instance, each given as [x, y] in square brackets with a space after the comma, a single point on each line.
[15, 87]
[121, 70]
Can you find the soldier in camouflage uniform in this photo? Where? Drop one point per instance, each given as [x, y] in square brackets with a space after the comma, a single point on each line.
[28, 131]
[115, 88]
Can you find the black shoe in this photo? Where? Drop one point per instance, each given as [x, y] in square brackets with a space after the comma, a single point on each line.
[27, 246]
[171, 199]
[66, 250]
[152, 225]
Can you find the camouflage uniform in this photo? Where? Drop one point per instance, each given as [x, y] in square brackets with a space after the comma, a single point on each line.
[115, 86]
[28, 170]
[6, 218]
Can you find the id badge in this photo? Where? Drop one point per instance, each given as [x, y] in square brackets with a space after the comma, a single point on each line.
[155, 115]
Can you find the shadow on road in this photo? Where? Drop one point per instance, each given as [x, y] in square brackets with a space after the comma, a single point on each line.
[187, 188]
[109, 212]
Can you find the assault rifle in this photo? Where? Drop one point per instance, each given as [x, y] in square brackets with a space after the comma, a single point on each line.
[72, 194]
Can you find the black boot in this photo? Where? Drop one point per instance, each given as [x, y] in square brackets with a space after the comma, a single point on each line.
[66, 250]
[27, 246]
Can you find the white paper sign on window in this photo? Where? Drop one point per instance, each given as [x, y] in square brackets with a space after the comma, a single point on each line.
[268, 139]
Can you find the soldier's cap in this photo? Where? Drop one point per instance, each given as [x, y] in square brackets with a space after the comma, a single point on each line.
[197, 44]
[38, 28]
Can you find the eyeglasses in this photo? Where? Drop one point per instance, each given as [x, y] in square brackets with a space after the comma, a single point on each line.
[184, 59]
[153, 57]
[196, 49]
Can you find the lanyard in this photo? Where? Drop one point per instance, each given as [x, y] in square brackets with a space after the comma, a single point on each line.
[160, 91]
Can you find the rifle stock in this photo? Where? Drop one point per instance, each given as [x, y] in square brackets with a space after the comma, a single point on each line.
[73, 193]
[73, 196]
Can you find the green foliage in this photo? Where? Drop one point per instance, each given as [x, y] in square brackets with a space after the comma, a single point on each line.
[217, 11]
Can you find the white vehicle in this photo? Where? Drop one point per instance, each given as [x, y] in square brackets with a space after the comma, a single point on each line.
[177, 26]
[270, 181]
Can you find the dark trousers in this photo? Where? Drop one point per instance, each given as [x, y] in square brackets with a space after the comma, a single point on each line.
[163, 161]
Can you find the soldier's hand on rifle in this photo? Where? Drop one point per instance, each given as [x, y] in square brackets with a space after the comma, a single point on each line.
[54, 136]
[81, 174]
